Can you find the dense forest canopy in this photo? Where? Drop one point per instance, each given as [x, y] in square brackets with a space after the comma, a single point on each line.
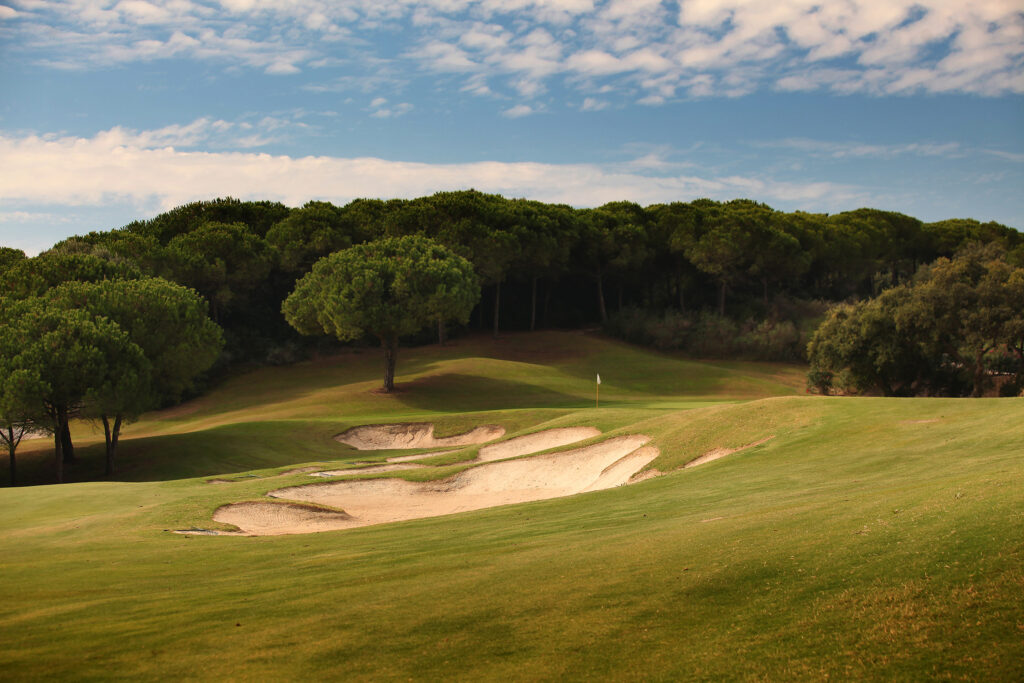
[538, 264]
[734, 277]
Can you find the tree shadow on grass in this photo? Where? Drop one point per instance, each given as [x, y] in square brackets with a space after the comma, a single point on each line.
[239, 448]
[459, 393]
[220, 451]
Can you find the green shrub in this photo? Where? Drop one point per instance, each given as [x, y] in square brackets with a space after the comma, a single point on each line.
[709, 335]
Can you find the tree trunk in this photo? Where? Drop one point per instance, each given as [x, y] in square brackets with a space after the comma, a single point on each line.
[547, 305]
[111, 435]
[600, 298]
[390, 352]
[497, 306]
[12, 447]
[440, 331]
[979, 374]
[721, 300]
[483, 321]
[533, 305]
[59, 421]
[682, 293]
[764, 286]
[619, 309]
[69, 448]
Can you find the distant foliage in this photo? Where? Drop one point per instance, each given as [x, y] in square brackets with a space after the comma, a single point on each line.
[946, 333]
[709, 335]
[709, 277]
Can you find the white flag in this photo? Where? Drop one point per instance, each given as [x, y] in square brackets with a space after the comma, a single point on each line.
[599, 378]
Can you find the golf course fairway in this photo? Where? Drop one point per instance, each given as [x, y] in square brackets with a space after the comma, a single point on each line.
[818, 537]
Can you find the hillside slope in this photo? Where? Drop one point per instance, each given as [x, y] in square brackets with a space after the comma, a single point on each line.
[861, 538]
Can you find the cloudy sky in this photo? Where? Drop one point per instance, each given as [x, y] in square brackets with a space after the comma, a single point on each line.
[112, 110]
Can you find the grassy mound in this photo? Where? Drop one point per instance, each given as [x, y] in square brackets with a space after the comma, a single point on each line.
[870, 538]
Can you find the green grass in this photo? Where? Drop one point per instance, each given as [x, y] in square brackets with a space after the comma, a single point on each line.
[869, 539]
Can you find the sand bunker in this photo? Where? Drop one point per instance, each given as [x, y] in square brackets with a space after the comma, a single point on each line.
[716, 453]
[250, 477]
[376, 501]
[645, 475]
[413, 435]
[271, 519]
[519, 445]
[419, 456]
[375, 469]
[536, 442]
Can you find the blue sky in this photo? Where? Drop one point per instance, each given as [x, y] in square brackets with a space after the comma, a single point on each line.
[112, 110]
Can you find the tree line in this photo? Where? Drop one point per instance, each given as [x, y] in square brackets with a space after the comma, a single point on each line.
[955, 329]
[90, 325]
[538, 263]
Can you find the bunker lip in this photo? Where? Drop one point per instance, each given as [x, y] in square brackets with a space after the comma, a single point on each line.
[275, 518]
[716, 453]
[603, 465]
[405, 435]
[298, 470]
[518, 445]
[420, 456]
[373, 469]
[536, 442]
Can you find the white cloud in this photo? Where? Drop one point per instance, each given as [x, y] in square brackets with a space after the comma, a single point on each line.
[207, 132]
[1008, 156]
[880, 48]
[26, 216]
[382, 112]
[854, 150]
[112, 166]
[595, 63]
[518, 111]
[143, 12]
[440, 56]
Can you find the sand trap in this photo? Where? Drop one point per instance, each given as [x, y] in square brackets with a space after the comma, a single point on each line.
[716, 453]
[250, 477]
[376, 501]
[272, 519]
[413, 435]
[376, 469]
[538, 441]
[302, 470]
[419, 456]
[621, 471]
[645, 475]
[514, 447]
